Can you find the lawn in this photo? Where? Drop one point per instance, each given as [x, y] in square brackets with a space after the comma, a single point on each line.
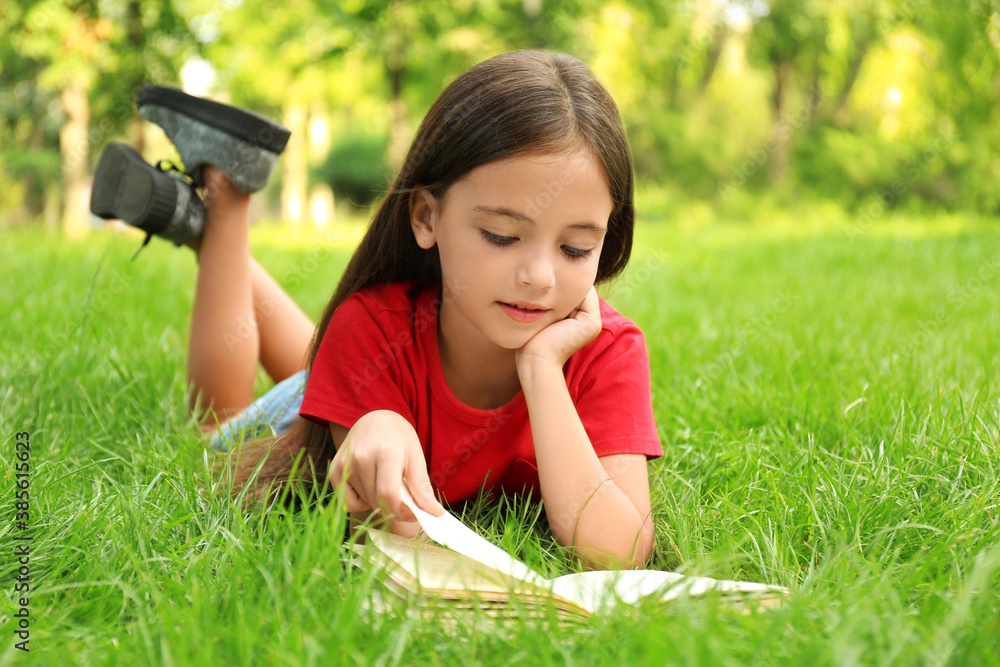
[827, 397]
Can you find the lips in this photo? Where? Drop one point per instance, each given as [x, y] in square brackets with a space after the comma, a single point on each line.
[522, 311]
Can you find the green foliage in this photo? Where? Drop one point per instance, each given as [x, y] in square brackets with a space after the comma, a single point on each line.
[37, 162]
[356, 168]
[973, 167]
[837, 99]
[844, 166]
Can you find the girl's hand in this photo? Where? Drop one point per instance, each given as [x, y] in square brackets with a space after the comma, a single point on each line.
[557, 342]
[381, 453]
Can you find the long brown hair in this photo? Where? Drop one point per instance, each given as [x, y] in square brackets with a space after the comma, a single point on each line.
[514, 103]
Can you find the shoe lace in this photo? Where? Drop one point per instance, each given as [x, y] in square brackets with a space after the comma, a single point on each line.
[169, 165]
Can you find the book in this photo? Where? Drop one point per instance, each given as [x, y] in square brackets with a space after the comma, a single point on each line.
[468, 572]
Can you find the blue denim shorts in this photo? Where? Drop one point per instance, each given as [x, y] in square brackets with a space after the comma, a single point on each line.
[271, 414]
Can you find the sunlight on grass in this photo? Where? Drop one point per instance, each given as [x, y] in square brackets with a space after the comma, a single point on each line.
[828, 404]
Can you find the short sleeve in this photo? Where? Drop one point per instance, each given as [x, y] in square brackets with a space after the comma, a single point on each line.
[613, 397]
[358, 368]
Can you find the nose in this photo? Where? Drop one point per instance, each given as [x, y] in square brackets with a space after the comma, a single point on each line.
[536, 270]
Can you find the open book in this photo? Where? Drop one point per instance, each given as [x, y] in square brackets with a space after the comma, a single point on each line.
[472, 572]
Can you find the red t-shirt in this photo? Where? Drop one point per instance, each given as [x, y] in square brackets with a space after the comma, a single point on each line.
[380, 352]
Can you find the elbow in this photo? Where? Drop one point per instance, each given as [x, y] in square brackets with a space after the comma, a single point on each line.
[631, 551]
[644, 545]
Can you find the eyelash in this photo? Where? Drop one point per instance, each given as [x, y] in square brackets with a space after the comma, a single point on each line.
[503, 241]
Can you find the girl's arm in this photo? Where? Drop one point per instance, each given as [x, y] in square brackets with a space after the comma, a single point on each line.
[373, 459]
[600, 507]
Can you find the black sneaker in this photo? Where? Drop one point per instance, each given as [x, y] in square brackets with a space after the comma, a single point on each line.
[244, 144]
[158, 201]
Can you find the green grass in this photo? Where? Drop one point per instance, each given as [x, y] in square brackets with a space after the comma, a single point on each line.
[827, 398]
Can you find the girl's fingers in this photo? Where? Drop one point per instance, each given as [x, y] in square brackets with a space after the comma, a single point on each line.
[590, 303]
[389, 476]
[336, 473]
[342, 473]
[354, 501]
[374, 475]
[418, 483]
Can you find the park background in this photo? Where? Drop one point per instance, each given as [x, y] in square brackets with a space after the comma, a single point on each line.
[872, 105]
[815, 271]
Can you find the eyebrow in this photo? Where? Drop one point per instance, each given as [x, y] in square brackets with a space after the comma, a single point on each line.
[521, 217]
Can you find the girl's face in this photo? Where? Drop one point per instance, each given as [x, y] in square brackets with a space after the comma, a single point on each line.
[519, 241]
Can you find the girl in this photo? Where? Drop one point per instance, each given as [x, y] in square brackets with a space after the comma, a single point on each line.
[465, 345]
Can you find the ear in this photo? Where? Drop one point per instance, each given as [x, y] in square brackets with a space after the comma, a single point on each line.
[424, 209]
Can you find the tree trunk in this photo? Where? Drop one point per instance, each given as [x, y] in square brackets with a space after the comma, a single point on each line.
[673, 91]
[533, 28]
[295, 182]
[779, 134]
[34, 188]
[137, 40]
[321, 202]
[75, 151]
[840, 115]
[399, 132]
[713, 60]
[815, 91]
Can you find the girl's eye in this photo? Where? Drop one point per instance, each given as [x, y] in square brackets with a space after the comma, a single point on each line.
[576, 253]
[496, 239]
[570, 251]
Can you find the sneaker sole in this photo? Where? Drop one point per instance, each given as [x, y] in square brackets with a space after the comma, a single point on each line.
[125, 188]
[252, 128]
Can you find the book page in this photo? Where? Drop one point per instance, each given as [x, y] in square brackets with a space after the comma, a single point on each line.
[593, 590]
[413, 566]
[452, 533]
[445, 572]
[598, 589]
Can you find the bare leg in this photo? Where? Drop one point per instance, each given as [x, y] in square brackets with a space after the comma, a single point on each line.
[285, 331]
[224, 344]
[240, 315]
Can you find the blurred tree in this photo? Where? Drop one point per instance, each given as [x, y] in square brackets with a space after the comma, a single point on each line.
[965, 91]
[65, 45]
[789, 39]
[82, 61]
[968, 36]
[842, 97]
[26, 128]
[860, 20]
[297, 62]
[285, 65]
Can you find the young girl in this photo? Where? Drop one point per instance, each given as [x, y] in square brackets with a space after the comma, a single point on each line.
[465, 346]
